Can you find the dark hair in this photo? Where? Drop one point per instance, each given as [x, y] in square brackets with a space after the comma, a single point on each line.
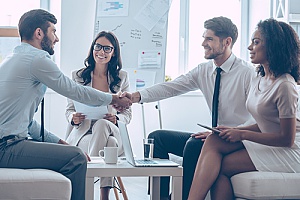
[114, 65]
[34, 19]
[222, 27]
[282, 48]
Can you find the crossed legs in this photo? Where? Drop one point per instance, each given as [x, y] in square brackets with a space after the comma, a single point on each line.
[180, 144]
[209, 175]
[105, 134]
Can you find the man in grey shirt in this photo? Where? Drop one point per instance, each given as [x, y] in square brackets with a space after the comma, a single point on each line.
[25, 76]
[236, 75]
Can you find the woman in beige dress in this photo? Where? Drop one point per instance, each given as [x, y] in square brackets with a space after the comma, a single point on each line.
[103, 71]
[272, 144]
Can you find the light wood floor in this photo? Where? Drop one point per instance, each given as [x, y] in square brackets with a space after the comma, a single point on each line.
[136, 188]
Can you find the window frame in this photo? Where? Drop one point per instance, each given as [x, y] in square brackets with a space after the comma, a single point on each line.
[12, 31]
[9, 32]
[184, 34]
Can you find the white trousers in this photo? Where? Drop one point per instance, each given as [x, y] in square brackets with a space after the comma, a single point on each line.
[104, 134]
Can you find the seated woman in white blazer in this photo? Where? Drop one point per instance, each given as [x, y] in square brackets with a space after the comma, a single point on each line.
[102, 72]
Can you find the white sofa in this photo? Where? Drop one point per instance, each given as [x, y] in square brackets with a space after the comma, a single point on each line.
[266, 185]
[262, 185]
[42, 184]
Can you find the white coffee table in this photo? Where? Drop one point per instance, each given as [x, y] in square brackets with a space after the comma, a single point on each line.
[97, 168]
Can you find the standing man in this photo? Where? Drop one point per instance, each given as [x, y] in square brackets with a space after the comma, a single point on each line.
[236, 75]
[25, 76]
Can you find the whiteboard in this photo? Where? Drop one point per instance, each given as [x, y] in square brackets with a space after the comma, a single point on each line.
[143, 49]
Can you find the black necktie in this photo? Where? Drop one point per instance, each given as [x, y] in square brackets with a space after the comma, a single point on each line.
[216, 98]
[42, 120]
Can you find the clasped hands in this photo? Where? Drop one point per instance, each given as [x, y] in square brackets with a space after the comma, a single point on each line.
[122, 101]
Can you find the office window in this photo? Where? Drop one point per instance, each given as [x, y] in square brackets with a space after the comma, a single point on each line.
[10, 13]
[9, 17]
[172, 50]
[185, 29]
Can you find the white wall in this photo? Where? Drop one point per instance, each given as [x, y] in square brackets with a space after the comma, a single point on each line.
[178, 113]
[77, 26]
[77, 23]
[258, 10]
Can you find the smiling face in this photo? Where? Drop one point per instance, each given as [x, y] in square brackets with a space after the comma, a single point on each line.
[257, 48]
[213, 45]
[100, 56]
[49, 39]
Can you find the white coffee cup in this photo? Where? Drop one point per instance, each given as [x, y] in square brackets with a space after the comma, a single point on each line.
[109, 155]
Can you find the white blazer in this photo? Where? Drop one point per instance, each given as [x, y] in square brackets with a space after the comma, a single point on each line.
[75, 133]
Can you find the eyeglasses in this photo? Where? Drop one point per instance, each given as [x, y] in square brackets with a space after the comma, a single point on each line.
[106, 49]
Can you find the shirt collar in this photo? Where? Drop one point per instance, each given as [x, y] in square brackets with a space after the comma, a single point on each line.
[226, 66]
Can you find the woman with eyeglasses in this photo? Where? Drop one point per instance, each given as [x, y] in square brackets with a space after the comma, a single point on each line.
[102, 71]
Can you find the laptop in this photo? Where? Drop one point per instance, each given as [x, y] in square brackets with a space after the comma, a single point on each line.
[140, 162]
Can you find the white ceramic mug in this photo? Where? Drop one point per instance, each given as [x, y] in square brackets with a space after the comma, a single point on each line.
[109, 155]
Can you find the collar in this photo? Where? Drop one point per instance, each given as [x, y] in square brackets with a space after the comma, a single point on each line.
[226, 66]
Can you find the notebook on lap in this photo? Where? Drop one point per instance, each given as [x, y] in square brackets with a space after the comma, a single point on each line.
[140, 162]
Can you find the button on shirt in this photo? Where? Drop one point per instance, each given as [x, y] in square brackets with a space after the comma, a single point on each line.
[234, 87]
[25, 76]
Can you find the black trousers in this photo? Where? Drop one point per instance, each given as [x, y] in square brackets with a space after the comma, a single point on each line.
[180, 144]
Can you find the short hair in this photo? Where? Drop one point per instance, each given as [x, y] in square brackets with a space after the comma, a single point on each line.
[33, 19]
[282, 48]
[222, 27]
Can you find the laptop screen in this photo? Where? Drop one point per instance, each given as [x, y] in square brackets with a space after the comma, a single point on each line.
[126, 142]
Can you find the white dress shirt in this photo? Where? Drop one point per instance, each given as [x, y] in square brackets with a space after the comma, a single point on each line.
[234, 87]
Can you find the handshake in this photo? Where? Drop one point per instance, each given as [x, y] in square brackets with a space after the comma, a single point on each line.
[122, 101]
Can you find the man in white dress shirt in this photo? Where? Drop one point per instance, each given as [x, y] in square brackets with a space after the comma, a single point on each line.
[236, 75]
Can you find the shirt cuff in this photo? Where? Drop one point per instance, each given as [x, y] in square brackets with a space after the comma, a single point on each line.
[144, 95]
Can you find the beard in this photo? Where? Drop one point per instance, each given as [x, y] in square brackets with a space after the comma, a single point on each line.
[47, 45]
[215, 54]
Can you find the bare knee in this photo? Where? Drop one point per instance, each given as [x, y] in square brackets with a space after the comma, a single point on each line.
[212, 142]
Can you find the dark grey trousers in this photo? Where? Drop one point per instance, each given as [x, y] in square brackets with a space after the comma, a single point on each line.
[180, 144]
[67, 160]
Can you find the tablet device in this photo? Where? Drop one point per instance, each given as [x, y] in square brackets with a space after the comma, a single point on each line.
[209, 128]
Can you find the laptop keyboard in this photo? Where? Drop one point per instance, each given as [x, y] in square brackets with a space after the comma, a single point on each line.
[145, 161]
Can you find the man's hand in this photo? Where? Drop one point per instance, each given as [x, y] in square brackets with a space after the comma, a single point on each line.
[135, 97]
[62, 142]
[120, 103]
[201, 135]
